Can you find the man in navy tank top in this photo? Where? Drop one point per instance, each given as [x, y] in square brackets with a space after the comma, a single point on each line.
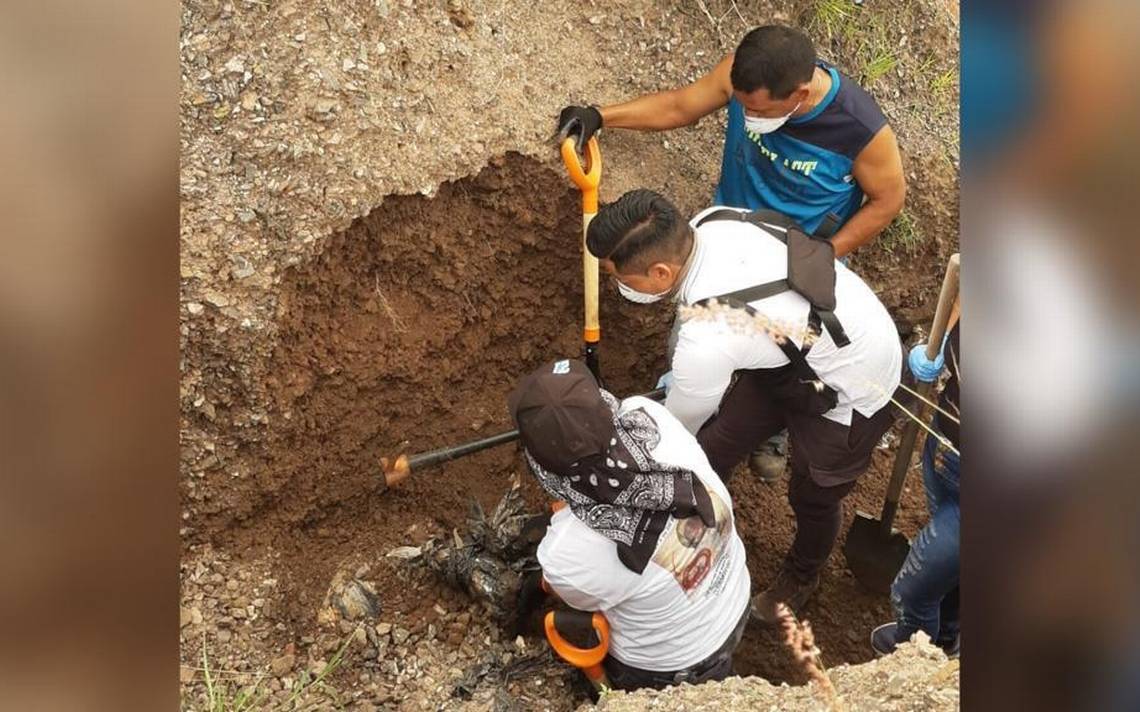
[802, 139]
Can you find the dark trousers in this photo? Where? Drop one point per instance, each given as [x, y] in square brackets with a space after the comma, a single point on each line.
[826, 459]
[715, 667]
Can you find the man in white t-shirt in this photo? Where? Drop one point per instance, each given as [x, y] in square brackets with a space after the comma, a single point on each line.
[647, 537]
[744, 370]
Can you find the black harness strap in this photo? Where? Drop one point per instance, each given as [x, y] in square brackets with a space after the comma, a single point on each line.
[817, 318]
[831, 323]
[759, 291]
[757, 218]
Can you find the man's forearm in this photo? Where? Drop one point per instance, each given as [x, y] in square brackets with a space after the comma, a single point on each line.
[652, 112]
[864, 225]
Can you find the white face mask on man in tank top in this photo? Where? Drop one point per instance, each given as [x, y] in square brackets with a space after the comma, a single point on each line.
[762, 125]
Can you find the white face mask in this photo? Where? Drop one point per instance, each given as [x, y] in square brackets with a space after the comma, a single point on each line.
[639, 297]
[761, 125]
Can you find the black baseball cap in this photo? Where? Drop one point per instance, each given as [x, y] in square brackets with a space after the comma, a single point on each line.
[561, 415]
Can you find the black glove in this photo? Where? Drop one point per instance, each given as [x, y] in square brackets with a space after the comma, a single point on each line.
[582, 122]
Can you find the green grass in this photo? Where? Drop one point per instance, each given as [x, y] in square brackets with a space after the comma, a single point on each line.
[304, 683]
[902, 235]
[831, 17]
[944, 82]
[881, 62]
[221, 698]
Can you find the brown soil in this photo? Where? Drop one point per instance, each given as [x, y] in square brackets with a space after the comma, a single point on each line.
[412, 327]
[842, 612]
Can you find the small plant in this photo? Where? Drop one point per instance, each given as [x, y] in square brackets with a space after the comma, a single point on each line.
[902, 235]
[830, 17]
[219, 696]
[799, 638]
[745, 320]
[882, 62]
[304, 684]
[944, 82]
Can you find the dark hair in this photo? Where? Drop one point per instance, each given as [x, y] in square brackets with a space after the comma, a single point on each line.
[640, 228]
[773, 57]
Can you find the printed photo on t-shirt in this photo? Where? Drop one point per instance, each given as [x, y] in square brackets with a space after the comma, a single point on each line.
[695, 554]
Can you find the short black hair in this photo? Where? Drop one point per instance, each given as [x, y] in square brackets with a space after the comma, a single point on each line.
[638, 229]
[773, 57]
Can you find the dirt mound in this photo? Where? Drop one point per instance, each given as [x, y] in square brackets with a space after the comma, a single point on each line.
[917, 677]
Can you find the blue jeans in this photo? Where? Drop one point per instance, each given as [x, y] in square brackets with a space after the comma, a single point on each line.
[925, 591]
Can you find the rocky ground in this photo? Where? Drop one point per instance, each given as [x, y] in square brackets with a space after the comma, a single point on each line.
[917, 677]
[376, 239]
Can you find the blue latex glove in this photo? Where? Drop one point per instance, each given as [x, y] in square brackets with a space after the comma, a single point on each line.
[666, 381]
[924, 369]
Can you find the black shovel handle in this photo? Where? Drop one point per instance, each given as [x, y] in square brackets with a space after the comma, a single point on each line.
[438, 457]
[902, 464]
[910, 432]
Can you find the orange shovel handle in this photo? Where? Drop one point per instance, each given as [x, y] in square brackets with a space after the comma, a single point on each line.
[587, 178]
[584, 658]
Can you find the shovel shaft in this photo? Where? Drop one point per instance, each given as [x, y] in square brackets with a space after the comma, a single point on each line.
[592, 330]
[592, 361]
[438, 457]
[946, 300]
[432, 458]
[910, 432]
[902, 464]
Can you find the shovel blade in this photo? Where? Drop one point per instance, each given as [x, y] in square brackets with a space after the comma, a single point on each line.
[875, 559]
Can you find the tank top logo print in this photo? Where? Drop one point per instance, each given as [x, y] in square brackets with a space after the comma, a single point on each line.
[802, 167]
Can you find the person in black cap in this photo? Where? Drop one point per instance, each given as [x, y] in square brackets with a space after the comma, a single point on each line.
[647, 535]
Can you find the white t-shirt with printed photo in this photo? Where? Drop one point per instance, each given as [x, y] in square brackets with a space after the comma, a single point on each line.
[690, 596]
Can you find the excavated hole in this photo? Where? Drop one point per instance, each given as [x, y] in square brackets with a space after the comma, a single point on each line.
[413, 325]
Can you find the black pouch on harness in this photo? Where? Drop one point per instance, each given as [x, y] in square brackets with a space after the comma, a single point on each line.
[811, 269]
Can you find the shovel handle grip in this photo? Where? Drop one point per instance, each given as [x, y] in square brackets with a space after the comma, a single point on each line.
[587, 177]
[910, 431]
[588, 660]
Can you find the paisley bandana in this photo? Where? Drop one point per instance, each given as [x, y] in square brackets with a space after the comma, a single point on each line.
[624, 494]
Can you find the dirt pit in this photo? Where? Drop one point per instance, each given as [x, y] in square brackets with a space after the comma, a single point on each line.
[411, 328]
